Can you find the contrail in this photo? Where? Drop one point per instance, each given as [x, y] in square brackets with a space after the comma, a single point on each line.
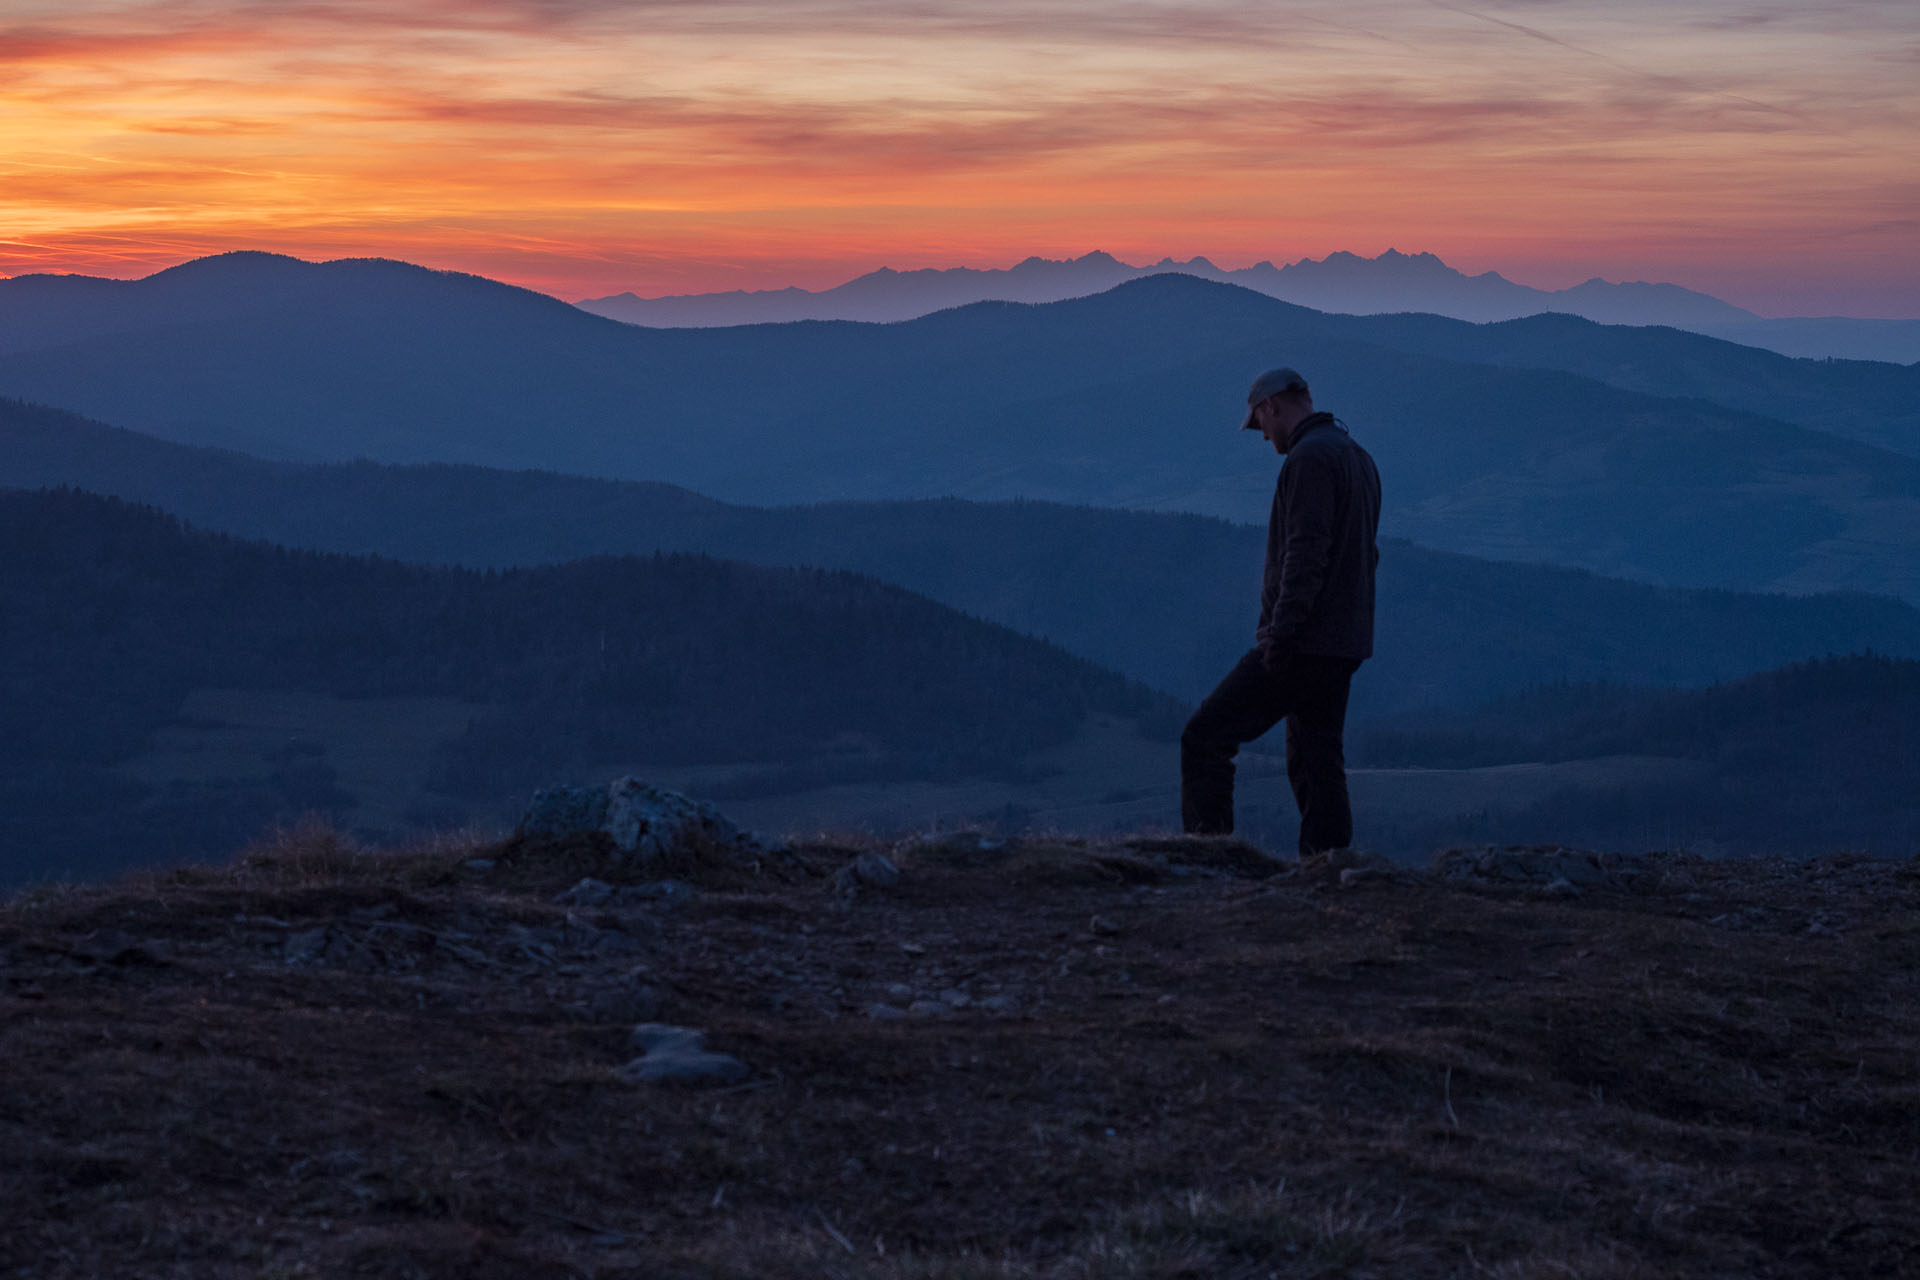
[1665, 82]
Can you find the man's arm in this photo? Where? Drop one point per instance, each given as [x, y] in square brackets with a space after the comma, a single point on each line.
[1311, 486]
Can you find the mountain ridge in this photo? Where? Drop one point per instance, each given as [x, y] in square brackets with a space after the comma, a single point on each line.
[1342, 283]
[1163, 598]
[1122, 399]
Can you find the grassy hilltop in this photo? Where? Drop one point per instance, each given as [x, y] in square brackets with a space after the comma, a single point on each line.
[1048, 1057]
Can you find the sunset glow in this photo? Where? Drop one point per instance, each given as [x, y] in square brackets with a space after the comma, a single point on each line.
[1765, 152]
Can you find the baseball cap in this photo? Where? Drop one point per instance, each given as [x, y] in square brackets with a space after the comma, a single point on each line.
[1271, 383]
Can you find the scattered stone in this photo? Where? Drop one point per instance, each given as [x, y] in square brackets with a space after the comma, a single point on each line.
[685, 1068]
[876, 869]
[870, 869]
[478, 864]
[456, 946]
[642, 821]
[999, 1004]
[954, 998]
[536, 944]
[111, 946]
[613, 942]
[587, 893]
[306, 946]
[1541, 866]
[1185, 857]
[677, 1055]
[1101, 927]
[1561, 887]
[1356, 860]
[927, 1009]
[1350, 877]
[658, 1037]
[882, 1012]
[900, 991]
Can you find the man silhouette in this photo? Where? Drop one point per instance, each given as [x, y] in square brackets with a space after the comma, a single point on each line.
[1316, 624]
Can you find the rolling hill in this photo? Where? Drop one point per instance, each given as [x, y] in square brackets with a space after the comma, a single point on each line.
[1164, 598]
[146, 674]
[1125, 399]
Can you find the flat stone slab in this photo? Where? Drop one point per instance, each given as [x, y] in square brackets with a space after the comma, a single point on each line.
[678, 1055]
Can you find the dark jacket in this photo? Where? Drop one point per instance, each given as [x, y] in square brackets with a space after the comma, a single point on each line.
[1317, 593]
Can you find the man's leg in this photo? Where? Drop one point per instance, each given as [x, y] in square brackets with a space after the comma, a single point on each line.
[1246, 704]
[1316, 755]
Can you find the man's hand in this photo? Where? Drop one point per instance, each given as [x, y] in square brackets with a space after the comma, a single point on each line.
[1275, 654]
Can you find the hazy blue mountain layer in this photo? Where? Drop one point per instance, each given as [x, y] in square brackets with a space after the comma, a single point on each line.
[1125, 399]
[1341, 282]
[118, 619]
[1166, 599]
[1871, 402]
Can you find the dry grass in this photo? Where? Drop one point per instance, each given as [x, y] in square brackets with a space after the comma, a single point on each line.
[326, 1060]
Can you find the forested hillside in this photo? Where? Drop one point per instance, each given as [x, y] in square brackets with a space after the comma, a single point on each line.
[114, 614]
[1819, 755]
[1167, 599]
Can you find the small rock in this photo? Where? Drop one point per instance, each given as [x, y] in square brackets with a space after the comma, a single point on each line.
[1577, 869]
[684, 1067]
[612, 942]
[478, 864]
[111, 946]
[677, 1055]
[900, 991]
[1352, 876]
[999, 1004]
[885, 1012]
[587, 893]
[664, 1037]
[954, 998]
[1561, 887]
[876, 869]
[927, 1009]
[306, 946]
[1101, 927]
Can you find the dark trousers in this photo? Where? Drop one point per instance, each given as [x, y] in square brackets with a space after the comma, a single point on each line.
[1310, 693]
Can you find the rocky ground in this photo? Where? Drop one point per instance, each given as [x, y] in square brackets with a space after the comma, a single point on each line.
[961, 1057]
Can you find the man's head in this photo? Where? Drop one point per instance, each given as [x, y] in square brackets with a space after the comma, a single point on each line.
[1277, 402]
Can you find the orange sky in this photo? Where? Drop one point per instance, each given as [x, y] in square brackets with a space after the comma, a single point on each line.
[1766, 152]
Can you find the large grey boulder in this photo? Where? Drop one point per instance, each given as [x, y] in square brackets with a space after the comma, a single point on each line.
[643, 822]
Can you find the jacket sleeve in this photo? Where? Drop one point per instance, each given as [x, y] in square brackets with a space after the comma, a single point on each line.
[1312, 496]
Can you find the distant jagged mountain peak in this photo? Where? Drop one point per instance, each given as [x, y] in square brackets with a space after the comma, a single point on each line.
[1343, 282]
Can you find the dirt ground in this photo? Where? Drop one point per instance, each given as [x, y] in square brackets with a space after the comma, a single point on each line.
[1044, 1058]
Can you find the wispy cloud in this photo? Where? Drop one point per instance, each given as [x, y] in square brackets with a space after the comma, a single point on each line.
[570, 135]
